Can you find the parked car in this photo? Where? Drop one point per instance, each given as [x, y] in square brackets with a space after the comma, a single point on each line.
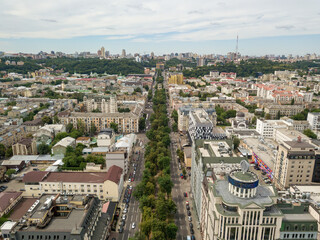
[191, 231]
[190, 219]
[188, 207]
[185, 194]
[193, 237]
[189, 213]
[133, 225]
[191, 225]
[124, 217]
[121, 230]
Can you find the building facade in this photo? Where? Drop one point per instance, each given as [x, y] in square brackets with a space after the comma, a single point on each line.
[314, 120]
[103, 105]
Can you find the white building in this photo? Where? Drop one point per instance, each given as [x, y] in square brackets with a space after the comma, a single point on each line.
[106, 138]
[314, 120]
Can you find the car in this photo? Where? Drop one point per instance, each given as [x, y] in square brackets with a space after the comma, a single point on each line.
[189, 213]
[191, 231]
[188, 207]
[124, 217]
[132, 179]
[121, 230]
[133, 225]
[191, 225]
[185, 194]
[129, 180]
[130, 187]
[187, 202]
[113, 239]
[125, 210]
[127, 205]
[134, 172]
[190, 219]
[193, 237]
[122, 223]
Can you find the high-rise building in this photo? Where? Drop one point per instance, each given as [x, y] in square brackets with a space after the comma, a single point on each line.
[103, 52]
[123, 54]
[200, 61]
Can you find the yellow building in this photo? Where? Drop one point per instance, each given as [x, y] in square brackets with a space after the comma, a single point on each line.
[176, 79]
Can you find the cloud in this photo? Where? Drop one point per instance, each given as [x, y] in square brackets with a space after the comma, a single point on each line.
[285, 27]
[49, 20]
[160, 21]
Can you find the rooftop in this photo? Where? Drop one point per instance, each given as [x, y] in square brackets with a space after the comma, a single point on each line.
[263, 197]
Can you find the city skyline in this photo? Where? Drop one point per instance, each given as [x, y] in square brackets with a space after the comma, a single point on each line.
[267, 27]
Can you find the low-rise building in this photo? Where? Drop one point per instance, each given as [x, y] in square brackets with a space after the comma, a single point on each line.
[83, 140]
[60, 147]
[285, 110]
[34, 125]
[105, 185]
[118, 158]
[106, 138]
[8, 200]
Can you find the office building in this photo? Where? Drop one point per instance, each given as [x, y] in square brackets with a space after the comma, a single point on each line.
[200, 126]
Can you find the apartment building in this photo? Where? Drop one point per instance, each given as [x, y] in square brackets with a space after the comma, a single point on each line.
[285, 110]
[105, 185]
[294, 163]
[102, 104]
[176, 78]
[127, 122]
[26, 146]
[106, 138]
[314, 120]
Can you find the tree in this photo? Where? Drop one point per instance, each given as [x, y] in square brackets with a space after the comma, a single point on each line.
[172, 230]
[254, 120]
[146, 87]
[142, 124]
[175, 127]
[69, 127]
[114, 126]
[165, 184]
[56, 119]
[43, 148]
[9, 172]
[46, 120]
[174, 115]
[2, 150]
[267, 116]
[236, 142]
[93, 129]
[278, 115]
[292, 101]
[310, 133]
[9, 152]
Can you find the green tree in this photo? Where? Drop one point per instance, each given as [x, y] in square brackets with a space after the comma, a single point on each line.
[254, 120]
[310, 133]
[2, 150]
[114, 126]
[165, 184]
[56, 119]
[236, 142]
[175, 127]
[292, 101]
[43, 148]
[174, 115]
[267, 116]
[172, 230]
[278, 115]
[93, 129]
[46, 120]
[142, 124]
[9, 172]
[69, 127]
[9, 152]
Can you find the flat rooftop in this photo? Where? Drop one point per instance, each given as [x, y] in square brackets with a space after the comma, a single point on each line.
[298, 217]
[263, 150]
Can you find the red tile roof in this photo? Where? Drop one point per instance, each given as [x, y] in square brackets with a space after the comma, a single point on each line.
[6, 199]
[114, 174]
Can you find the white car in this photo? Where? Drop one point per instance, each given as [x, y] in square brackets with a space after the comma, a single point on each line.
[129, 180]
[125, 211]
[133, 225]
[124, 217]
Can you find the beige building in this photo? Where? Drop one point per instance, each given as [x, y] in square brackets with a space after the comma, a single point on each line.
[294, 164]
[127, 122]
[105, 185]
[285, 110]
[12, 134]
[187, 156]
[102, 104]
[26, 146]
[8, 200]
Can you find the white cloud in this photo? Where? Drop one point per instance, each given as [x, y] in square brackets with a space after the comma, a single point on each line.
[159, 20]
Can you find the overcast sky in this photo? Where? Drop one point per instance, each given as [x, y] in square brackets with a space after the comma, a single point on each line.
[162, 26]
